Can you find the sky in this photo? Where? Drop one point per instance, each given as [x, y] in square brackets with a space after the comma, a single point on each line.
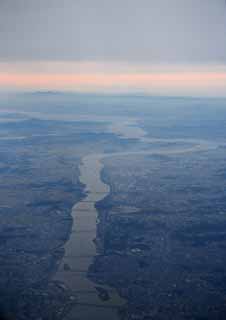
[153, 46]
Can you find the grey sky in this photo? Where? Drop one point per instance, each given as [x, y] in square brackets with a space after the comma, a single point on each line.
[163, 31]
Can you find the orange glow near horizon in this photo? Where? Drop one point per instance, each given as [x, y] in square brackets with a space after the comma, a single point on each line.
[121, 80]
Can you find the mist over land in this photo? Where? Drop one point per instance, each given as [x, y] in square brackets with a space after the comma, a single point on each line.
[142, 176]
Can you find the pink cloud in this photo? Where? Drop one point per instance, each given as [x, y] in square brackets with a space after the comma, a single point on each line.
[107, 78]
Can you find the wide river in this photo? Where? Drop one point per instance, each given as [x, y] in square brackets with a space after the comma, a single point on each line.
[80, 249]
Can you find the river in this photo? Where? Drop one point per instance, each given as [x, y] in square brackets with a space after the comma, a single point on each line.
[80, 249]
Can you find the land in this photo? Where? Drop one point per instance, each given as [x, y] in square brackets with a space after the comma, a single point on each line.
[162, 235]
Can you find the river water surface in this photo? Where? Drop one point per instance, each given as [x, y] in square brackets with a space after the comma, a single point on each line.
[80, 250]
